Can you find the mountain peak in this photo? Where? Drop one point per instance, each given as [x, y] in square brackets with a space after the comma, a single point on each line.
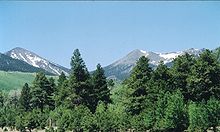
[19, 49]
[143, 51]
[36, 61]
[122, 68]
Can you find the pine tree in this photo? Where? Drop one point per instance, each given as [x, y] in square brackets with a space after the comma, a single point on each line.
[61, 79]
[160, 83]
[79, 80]
[64, 95]
[181, 70]
[137, 86]
[203, 81]
[100, 91]
[41, 92]
[62, 91]
[51, 92]
[79, 72]
[24, 100]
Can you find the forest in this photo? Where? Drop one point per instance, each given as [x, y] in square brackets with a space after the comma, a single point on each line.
[183, 97]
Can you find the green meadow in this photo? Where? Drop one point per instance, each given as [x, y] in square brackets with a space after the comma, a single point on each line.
[15, 80]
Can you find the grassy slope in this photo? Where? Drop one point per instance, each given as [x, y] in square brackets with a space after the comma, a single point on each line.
[15, 80]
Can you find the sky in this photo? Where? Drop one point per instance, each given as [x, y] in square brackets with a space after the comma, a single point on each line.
[106, 31]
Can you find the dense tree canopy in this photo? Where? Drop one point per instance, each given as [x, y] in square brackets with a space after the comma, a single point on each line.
[182, 97]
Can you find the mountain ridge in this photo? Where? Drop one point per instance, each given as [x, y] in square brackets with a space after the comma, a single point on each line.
[125, 64]
[119, 69]
[10, 64]
[36, 60]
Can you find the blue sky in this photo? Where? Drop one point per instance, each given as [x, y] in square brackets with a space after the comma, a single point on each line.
[106, 31]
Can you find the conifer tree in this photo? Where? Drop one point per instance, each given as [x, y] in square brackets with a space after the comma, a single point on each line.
[180, 72]
[160, 83]
[64, 95]
[62, 90]
[137, 86]
[79, 80]
[51, 92]
[41, 92]
[79, 72]
[100, 91]
[204, 78]
[61, 79]
[24, 100]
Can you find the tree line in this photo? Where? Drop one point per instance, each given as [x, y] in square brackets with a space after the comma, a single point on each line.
[182, 97]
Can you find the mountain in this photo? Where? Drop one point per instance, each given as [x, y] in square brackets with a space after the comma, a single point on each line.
[122, 68]
[36, 61]
[10, 64]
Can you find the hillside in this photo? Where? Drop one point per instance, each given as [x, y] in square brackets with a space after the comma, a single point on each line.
[15, 80]
[10, 64]
[37, 61]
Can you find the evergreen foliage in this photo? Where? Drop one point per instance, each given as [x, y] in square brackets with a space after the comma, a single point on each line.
[79, 81]
[137, 85]
[100, 90]
[25, 98]
[41, 92]
[184, 97]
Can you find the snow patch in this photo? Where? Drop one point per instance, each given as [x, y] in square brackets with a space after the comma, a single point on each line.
[22, 57]
[13, 55]
[172, 55]
[54, 70]
[145, 52]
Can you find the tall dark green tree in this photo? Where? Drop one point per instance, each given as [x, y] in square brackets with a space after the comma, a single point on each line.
[25, 98]
[137, 85]
[79, 81]
[204, 78]
[181, 70]
[160, 82]
[62, 90]
[100, 91]
[64, 95]
[61, 79]
[51, 92]
[79, 72]
[41, 92]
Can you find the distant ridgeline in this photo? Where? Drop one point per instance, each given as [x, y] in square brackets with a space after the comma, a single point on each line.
[121, 69]
[10, 64]
[19, 59]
